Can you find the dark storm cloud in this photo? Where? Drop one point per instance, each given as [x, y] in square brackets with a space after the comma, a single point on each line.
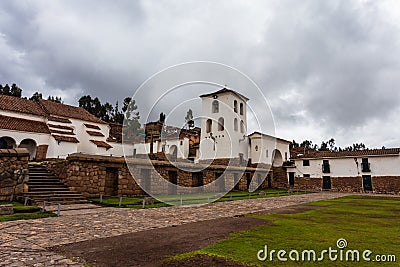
[342, 59]
[330, 66]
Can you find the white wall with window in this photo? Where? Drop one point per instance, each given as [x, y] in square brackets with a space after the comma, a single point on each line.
[383, 165]
[223, 133]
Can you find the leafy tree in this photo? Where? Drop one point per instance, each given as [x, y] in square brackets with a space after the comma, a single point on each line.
[127, 100]
[331, 144]
[118, 116]
[162, 117]
[308, 144]
[93, 106]
[328, 145]
[105, 111]
[189, 119]
[324, 146]
[132, 124]
[294, 144]
[6, 90]
[13, 91]
[55, 99]
[36, 96]
[355, 147]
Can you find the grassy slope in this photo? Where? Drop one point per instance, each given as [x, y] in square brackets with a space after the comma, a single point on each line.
[365, 222]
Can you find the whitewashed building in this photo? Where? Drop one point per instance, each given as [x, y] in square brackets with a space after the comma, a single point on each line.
[53, 130]
[223, 135]
[365, 170]
[224, 132]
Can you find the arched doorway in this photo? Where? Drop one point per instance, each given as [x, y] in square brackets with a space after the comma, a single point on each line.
[173, 153]
[277, 158]
[7, 142]
[31, 146]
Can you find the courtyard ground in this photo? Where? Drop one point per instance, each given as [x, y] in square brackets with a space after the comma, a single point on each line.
[29, 243]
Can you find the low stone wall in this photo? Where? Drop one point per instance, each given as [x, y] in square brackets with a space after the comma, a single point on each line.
[13, 172]
[386, 184]
[346, 184]
[279, 178]
[59, 167]
[308, 183]
[380, 184]
[101, 175]
[6, 209]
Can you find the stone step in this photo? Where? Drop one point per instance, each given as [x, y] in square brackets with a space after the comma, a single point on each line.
[48, 188]
[47, 185]
[44, 181]
[44, 186]
[53, 194]
[62, 202]
[58, 201]
[37, 169]
[40, 174]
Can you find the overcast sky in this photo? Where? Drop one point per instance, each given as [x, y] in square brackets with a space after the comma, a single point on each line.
[327, 68]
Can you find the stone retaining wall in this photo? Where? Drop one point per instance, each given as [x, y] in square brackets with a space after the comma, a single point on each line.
[96, 175]
[380, 184]
[6, 209]
[279, 178]
[308, 183]
[386, 184]
[13, 172]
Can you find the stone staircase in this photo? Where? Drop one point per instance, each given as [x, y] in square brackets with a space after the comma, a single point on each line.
[44, 186]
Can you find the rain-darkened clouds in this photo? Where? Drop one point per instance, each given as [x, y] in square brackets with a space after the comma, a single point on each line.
[327, 68]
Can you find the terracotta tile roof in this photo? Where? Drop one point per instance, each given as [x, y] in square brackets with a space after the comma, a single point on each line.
[62, 132]
[92, 126]
[20, 105]
[23, 125]
[61, 138]
[300, 153]
[101, 144]
[60, 127]
[113, 140]
[46, 108]
[57, 119]
[94, 133]
[68, 111]
[225, 90]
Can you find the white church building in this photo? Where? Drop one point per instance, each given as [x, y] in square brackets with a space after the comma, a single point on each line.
[53, 130]
[224, 135]
[224, 132]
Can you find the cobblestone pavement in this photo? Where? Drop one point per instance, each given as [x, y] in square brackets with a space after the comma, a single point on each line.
[25, 243]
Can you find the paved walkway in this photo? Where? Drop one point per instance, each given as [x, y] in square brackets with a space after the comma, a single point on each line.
[25, 243]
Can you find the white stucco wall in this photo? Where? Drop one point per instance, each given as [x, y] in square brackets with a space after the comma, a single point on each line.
[60, 150]
[39, 138]
[347, 167]
[263, 146]
[228, 143]
[85, 146]
[182, 146]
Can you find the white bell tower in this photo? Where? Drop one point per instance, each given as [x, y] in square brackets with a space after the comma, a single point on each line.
[223, 125]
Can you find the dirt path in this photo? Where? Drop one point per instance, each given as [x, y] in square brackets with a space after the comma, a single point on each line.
[152, 247]
[149, 248]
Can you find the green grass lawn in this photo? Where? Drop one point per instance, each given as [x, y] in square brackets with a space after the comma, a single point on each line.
[22, 212]
[187, 199]
[365, 222]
